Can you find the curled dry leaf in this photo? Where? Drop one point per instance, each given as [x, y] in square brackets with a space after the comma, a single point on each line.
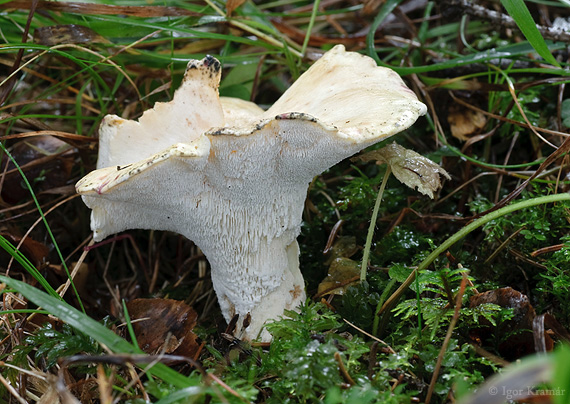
[521, 330]
[47, 162]
[409, 167]
[465, 123]
[164, 321]
[343, 271]
[67, 34]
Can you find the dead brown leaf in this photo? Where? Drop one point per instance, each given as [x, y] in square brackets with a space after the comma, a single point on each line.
[66, 34]
[36, 252]
[231, 5]
[343, 272]
[520, 331]
[47, 162]
[164, 326]
[465, 123]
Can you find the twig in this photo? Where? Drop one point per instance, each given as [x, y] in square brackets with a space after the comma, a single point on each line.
[452, 323]
[225, 386]
[503, 20]
[370, 335]
[497, 360]
[549, 249]
[343, 370]
[12, 390]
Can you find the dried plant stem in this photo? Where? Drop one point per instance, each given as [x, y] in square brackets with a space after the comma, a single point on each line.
[454, 319]
[238, 24]
[343, 370]
[12, 390]
[373, 219]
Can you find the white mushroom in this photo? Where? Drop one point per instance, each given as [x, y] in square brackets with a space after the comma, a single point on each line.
[233, 178]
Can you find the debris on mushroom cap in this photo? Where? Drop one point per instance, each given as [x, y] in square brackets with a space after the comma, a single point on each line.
[409, 167]
[233, 178]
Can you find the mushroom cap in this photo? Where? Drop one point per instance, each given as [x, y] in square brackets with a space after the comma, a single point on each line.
[193, 111]
[350, 92]
[352, 102]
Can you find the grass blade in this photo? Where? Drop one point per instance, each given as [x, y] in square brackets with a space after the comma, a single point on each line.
[465, 231]
[518, 10]
[88, 326]
[48, 228]
[384, 12]
[28, 266]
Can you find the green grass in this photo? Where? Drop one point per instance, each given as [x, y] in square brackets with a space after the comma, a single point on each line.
[379, 341]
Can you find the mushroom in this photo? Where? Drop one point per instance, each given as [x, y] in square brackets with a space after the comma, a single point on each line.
[233, 178]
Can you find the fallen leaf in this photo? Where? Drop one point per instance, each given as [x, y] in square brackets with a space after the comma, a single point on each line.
[231, 5]
[409, 167]
[342, 273]
[46, 161]
[66, 34]
[36, 252]
[343, 247]
[164, 321]
[465, 123]
[520, 339]
[80, 279]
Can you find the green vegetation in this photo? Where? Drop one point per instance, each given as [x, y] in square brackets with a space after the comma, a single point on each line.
[498, 121]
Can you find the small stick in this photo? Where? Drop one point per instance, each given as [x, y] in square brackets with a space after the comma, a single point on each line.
[371, 336]
[372, 359]
[452, 323]
[343, 370]
[11, 389]
[549, 249]
[500, 19]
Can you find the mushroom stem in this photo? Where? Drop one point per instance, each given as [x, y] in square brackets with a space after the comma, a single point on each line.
[271, 283]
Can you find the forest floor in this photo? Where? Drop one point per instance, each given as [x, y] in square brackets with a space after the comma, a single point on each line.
[452, 290]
